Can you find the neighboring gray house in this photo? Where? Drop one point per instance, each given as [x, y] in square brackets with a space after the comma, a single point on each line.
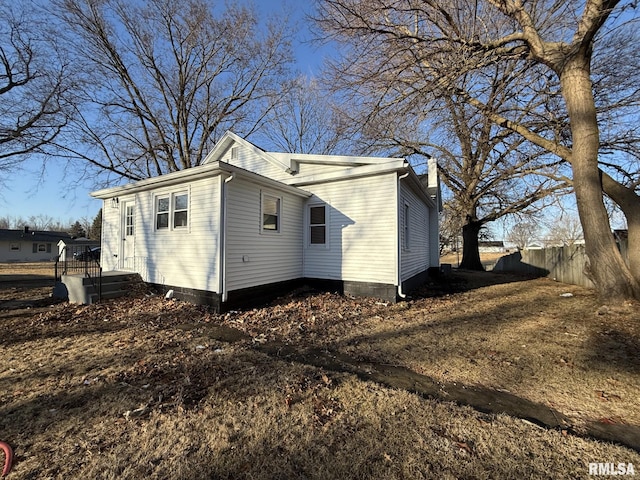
[28, 245]
[249, 223]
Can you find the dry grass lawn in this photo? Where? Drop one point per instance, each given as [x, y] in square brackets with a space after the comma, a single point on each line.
[144, 388]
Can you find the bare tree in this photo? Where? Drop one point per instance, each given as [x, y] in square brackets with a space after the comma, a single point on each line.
[32, 86]
[306, 120]
[165, 78]
[522, 234]
[424, 47]
[490, 171]
[44, 222]
[564, 230]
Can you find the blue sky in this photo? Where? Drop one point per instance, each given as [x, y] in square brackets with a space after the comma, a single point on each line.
[49, 190]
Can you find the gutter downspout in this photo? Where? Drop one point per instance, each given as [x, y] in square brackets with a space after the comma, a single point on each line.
[399, 266]
[223, 238]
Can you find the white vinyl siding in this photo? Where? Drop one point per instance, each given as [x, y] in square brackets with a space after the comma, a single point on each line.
[183, 257]
[361, 234]
[111, 237]
[251, 161]
[414, 233]
[252, 257]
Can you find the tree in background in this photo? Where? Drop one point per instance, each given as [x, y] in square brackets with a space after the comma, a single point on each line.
[424, 48]
[164, 79]
[95, 232]
[564, 231]
[34, 222]
[523, 233]
[77, 230]
[33, 84]
[489, 171]
[306, 120]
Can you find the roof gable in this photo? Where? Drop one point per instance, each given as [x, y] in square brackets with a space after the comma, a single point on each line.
[230, 139]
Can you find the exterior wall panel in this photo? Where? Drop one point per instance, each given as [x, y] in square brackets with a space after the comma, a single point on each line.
[414, 259]
[253, 256]
[184, 257]
[360, 231]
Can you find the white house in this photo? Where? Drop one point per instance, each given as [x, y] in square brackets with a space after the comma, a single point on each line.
[248, 223]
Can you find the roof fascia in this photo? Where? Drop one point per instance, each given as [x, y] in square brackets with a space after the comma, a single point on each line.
[168, 179]
[340, 160]
[196, 173]
[349, 173]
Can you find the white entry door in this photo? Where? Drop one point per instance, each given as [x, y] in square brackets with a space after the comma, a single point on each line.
[127, 252]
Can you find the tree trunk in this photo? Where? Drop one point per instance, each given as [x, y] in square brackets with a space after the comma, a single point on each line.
[629, 203]
[470, 251]
[606, 268]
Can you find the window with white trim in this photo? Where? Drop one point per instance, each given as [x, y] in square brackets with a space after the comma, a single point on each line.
[41, 247]
[180, 210]
[317, 224]
[15, 247]
[270, 213]
[162, 212]
[174, 206]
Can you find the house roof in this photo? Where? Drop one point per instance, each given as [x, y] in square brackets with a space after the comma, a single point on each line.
[289, 163]
[202, 171]
[78, 241]
[25, 234]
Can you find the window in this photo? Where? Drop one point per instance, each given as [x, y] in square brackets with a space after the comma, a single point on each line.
[129, 221]
[406, 226]
[162, 212]
[317, 225]
[270, 213]
[180, 210]
[41, 247]
[15, 247]
[175, 207]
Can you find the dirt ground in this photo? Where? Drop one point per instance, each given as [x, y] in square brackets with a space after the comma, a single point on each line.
[149, 388]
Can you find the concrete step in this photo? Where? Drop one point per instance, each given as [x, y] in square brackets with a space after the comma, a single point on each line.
[81, 289]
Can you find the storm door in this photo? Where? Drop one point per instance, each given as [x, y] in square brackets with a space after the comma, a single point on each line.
[127, 256]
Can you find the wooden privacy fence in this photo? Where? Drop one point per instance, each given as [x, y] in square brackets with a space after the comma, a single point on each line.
[564, 264]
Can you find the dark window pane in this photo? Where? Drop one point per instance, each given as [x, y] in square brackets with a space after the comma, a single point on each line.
[181, 202]
[318, 235]
[317, 216]
[180, 219]
[162, 220]
[269, 222]
[163, 204]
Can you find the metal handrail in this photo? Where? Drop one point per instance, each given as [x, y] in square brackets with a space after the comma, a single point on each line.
[81, 262]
